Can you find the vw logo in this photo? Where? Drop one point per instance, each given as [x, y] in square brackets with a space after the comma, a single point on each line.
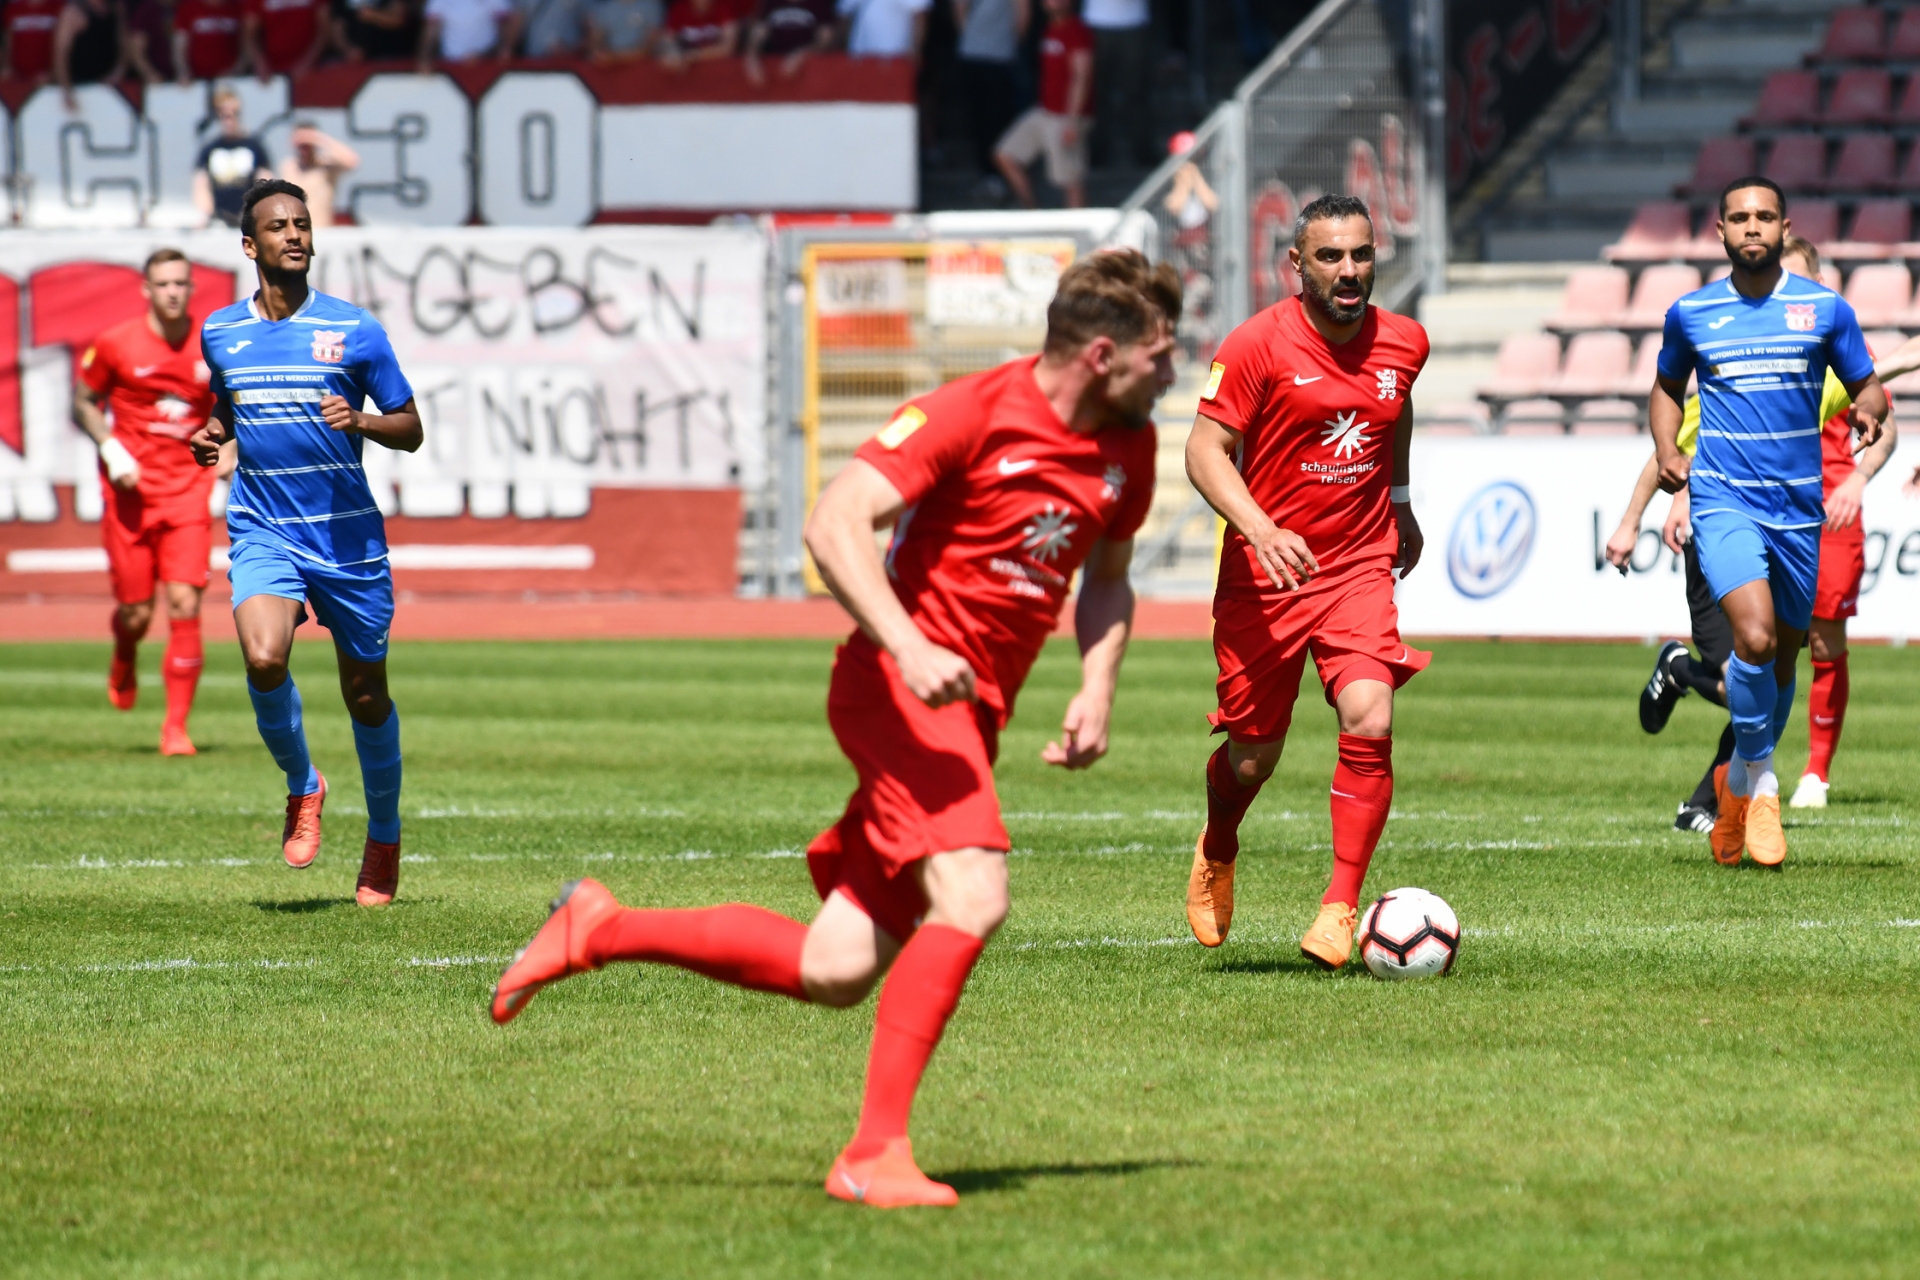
[1492, 538]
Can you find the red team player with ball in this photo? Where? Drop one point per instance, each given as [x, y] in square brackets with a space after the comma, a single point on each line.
[1306, 411]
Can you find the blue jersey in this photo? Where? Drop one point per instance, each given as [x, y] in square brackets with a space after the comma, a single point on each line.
[299, 482]
[1762, 363]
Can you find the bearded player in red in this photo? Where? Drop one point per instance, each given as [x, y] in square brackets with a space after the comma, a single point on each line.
[1306, 412]
[148, 373]
[997, 487]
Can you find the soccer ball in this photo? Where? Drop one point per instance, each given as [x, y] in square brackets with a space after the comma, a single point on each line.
[1409, 933]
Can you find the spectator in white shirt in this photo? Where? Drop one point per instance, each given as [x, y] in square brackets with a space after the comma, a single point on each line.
[885, 28]
[464, 30]
[1122, 84]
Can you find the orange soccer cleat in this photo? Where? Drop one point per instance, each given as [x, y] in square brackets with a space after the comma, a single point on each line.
[300, 838]
[890, 1180]
[123, 684]
[558, 950]
[175, 742]
[1766, 838]
[1329, 943]
[1209, 896]
[379, 874]
[1729, 835]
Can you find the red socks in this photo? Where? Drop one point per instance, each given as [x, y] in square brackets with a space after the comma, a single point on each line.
[747, 946]
[1362, 795]
[918, 998]
[181, 669]
[1227, 804]
[1826, 712]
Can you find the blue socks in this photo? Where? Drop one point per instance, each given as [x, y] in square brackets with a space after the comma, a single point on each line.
[1751, 700]
[1783, 706]
[277, 713]
[379, 752]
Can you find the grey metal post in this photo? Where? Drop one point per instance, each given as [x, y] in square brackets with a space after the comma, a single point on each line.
[1627, 43]
[1230, 249]
[791, 337]
[1430, 48]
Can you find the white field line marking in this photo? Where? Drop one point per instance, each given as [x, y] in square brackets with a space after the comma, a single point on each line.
[188, 962]
[445, 962]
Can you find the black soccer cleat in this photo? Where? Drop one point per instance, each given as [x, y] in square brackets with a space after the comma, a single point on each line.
[1662, 691]
[1694, 819]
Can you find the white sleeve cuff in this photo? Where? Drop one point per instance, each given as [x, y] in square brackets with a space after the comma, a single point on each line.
[1399, 493]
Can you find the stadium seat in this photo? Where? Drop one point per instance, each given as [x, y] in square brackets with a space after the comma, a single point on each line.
[1788, 98]
[1881, 294]
[1459, 418]
[1905, 44]
[1887, 222]
[1656, 291]
[1660, 229]
[1527, 363]
[1907, 109]
[1854, 34]
[1816, 220]
[1798, 162]
[1830, 276]
[1908, 178]
[1606, 418]
[1595, 297]
[1646, 367]
[1596, 364]
[1718, 162]
[1861, 96]
[1865, 163]
[1884, 342]
[1534, 418]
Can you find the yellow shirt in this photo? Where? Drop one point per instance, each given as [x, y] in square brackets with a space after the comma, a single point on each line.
[1833, 399]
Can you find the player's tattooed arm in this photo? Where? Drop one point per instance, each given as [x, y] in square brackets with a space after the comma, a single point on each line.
[1412, 541]
[1665, 408]
[1620, 545]
[839, 535]
[1282, 553]
[398, 430]
[207, 442]
[1102, 619]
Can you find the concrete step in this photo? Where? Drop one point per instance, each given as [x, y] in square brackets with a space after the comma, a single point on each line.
[1679, 118]
[1746, 43]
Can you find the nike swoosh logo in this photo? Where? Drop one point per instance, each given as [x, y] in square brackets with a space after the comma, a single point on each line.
[1299, 381]
[244, 342]
[1722, 320]
[1402, 657]
[859, 1191]
[1008, 467]
[142, 370]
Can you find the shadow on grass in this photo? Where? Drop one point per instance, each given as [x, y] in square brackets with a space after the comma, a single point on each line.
[1014, 1177]
[303, 906]
[1282, 962]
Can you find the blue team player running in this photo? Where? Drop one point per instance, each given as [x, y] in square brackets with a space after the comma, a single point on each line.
[291, 368]
[1760, 343]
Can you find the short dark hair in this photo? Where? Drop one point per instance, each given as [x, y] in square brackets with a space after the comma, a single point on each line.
[1329, 207]
[1114, 293]
[260, 191]
[159, 257]
[1753, 180]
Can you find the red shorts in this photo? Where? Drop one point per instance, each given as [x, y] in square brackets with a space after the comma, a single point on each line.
[154, 542]
[926, 787]
[1351, 627]
[1843, 563]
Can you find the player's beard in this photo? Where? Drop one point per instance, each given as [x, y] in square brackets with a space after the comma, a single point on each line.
[1766, 263]
[1331, 309]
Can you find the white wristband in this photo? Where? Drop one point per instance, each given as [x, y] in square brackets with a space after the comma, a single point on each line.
[119, 462]
[1399, 493]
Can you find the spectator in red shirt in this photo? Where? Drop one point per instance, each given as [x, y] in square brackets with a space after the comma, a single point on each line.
[27, 27]
[283, 37]
[789, 30]
[206, 38]
[1057, 127]
[149, 41]
[698, 31]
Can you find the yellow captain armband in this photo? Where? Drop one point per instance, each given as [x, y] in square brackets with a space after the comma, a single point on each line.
[1833, 398]
[1689, 438]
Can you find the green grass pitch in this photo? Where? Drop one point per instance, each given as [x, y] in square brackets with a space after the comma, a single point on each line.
[1644, 1065]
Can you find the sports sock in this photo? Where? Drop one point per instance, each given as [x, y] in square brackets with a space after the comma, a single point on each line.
[1362, 795]
[747, 946]
[125, 642]
[181, 668]
[1760, 777]
[1751, 694]
[1703, 796]
[919, 997]
[1783, 706]
[277, 713]
[1227, 803]
[1826, 713]
[379, 752]
[1693, 674]
[1737, 775]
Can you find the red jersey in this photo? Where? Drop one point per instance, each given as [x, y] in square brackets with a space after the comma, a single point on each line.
[696, 28]
[158, 396]
[1062, 39]
[212, 28]
[1004, 501]
[287, 29]
[30, 26]
[1317, 421]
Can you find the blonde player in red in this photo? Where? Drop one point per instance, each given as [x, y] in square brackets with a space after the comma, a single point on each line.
[148, 374]
[998, 488]
[1301, 446]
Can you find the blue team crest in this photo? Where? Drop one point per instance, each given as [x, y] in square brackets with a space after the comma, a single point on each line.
[1491, 541]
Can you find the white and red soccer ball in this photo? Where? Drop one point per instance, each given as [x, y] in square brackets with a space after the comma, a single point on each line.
[1409, 933]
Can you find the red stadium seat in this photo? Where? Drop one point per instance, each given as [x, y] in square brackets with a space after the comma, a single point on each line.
[1596, 364]
[1815, 220]
[1659, 286]
[1854, 34]
[1907, 109]
[1830, 276]
[1660, 229]
[1908, 179]
[1787, 98]
[1865, 164]
[1606, 418]
[1881, 293]
[1534, 418]
[1526, 365]
[1863, 95]
[1646, 367]
[1595, 297]
[1882, 222]
[1718, 162]
[1798, 162]
[1905, 44]
[1882, 343]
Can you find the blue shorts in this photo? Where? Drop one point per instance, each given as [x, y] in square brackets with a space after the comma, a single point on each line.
[1735, 549]
[355, 604]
